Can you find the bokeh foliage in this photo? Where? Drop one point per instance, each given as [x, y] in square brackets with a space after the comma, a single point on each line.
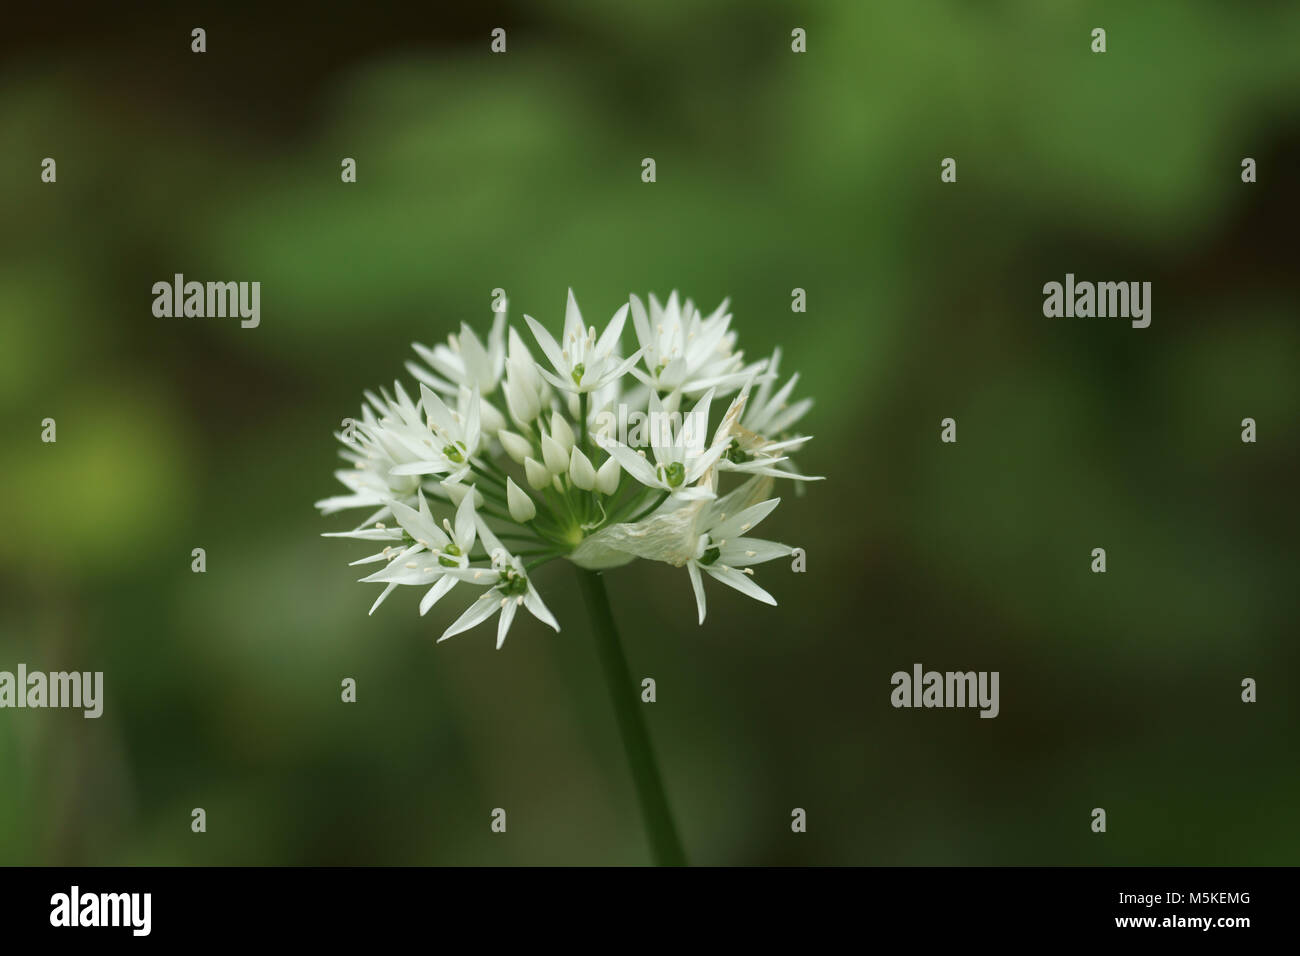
[775, 171]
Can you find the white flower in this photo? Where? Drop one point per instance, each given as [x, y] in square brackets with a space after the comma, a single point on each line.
[681, 458]
[444, 472]
[510, 589]
[686, 353]
[452, 437]
[464, 362]
[750, 422]
[723, 552]
[582, 362]
[429, 553]
[385, 438]
[770, 414]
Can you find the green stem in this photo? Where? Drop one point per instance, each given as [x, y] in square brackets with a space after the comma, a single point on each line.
[484, 473]
[661, 831]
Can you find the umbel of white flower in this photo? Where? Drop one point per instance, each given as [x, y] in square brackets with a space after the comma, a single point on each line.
[502, 460]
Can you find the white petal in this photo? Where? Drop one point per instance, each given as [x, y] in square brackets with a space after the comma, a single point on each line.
[490, 542]
[421, 527]
[556, 380]
[644, 334]
[466, 525]
[472, 431]
[741, 582]
[698, 585]
[573, 327]
[547, 343]
[445, 584]
[695, 426]
[632, 463]
[617, 371]
[380, 600]
[737, 524]
[476, 613]
[421, 468]
[533, 601]
[609, 338]
[503, 625]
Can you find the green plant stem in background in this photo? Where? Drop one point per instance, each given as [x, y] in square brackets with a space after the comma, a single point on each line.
[665, 844]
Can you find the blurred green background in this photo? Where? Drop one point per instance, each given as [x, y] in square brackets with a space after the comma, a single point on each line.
[775, 171]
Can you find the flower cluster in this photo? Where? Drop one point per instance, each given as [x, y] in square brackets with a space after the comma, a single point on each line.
[582, 453]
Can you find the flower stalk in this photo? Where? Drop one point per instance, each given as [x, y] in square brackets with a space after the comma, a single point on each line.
[661, 831]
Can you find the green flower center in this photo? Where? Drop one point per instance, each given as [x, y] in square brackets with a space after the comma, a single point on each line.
[736, 455]
[455, 454]
[709, 556]
[674, 474]
[579, 370]
[512, 584]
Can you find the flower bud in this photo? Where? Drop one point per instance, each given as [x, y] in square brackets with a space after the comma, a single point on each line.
[490, 418]
[607, 477]
[521, 399]
[536, 473]
[521, 506]
[516, 446]
[561, 431]
[555, 455]
[580, 471]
